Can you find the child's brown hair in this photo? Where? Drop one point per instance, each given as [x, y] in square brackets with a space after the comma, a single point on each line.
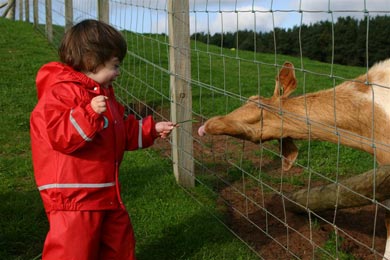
[90, 44]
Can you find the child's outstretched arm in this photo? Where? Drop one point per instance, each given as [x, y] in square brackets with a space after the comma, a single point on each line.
[142, 133]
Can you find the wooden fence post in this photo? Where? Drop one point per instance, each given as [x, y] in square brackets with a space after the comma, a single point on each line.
[180, 88]
[68, 14]
[104, 10]
[27, 10]
[49, 21]
[20, 10]
[35, 13]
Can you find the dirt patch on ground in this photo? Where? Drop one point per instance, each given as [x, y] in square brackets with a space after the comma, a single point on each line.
[279, 234]
[261, 220]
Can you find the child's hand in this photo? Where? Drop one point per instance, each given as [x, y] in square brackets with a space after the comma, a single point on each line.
[98, 104]
[164, 128]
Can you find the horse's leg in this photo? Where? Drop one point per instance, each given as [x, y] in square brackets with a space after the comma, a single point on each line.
[386, 255]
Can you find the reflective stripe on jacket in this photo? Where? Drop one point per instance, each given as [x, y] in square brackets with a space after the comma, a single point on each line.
[77, 152]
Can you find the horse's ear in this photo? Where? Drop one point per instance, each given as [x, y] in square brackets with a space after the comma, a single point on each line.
[289, 153]
[285, 79]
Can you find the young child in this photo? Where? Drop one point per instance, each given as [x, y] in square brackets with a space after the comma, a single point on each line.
[78, 137]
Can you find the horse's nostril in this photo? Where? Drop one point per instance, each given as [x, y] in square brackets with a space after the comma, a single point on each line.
[201, 131]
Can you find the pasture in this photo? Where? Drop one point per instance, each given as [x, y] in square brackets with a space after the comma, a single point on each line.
[171, 222]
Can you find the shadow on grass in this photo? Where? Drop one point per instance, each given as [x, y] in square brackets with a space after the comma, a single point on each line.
[23, 224]
[194, 238]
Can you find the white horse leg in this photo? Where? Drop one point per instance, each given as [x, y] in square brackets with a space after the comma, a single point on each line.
[387, 224]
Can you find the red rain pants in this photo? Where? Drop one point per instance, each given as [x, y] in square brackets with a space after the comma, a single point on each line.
[89, 235]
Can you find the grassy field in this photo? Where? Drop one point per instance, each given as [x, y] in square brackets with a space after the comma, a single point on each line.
[168, 223]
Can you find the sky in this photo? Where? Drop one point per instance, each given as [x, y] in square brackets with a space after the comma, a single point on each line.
[220, 16]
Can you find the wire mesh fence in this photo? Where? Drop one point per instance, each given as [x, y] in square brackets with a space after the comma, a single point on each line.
[237, 50]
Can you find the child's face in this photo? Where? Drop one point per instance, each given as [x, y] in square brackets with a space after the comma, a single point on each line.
[107, 73]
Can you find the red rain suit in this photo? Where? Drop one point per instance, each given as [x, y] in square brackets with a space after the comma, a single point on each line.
[77, 153]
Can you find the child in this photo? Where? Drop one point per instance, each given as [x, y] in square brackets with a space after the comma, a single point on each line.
[78, 137]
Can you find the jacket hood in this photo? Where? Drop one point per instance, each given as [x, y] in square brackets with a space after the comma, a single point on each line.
[53, 73]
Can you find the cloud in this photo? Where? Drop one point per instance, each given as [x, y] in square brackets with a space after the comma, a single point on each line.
[220, 16]
[314, 11]
[231, 15]
[227, 16]
[256, 18]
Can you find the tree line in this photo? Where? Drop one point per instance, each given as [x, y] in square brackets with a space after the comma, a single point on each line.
[348, 41]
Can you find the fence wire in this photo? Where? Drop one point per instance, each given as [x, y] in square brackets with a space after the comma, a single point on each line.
[246, 179]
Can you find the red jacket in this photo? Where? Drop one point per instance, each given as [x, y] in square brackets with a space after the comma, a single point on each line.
[77, 152]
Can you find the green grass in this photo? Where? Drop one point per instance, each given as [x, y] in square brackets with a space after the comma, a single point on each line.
[168, 223]
[333, 246]
[22, 219]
